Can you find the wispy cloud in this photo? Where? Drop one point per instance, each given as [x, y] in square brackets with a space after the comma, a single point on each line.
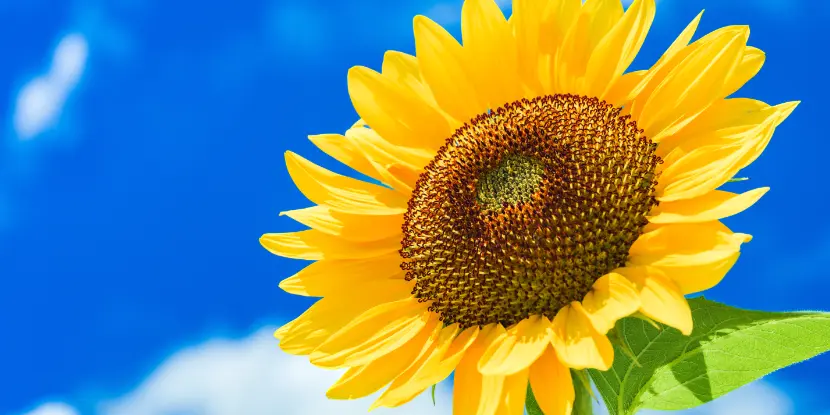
[42, 99]
[249, 376]
[53, 409]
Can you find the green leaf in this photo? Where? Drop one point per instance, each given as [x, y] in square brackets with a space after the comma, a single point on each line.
[433, 394]
[728, 348]
[737, 179]
[582, 400]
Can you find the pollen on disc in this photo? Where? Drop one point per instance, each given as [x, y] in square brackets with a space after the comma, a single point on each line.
[525, 207]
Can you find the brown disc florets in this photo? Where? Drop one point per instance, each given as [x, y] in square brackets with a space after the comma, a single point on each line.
[525, 207]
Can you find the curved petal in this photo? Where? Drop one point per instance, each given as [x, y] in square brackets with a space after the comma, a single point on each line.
[330, 314]
[362, 381]
[332, 277]
[624, 89]
[748, 67]
[444, 68]
[611, 298]
[513, 394]
[595, 20]
[618, 48]
[696, 256]
[398, 166]
[714, 205]
[339, 147]
[551, 383]
[474, 393]
[578, 344]
[556, 19]
[342, 193]
[403, 68]
[373, 334]
[315, 245]
[661, 299]
[350, 226]
[395, 112]
[693, 85]
[517, 348]
[415, 379]
[489, 43]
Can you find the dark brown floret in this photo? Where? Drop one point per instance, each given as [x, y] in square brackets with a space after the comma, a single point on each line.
[525, 207]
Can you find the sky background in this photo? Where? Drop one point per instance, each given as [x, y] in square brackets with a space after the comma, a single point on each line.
[141, 157]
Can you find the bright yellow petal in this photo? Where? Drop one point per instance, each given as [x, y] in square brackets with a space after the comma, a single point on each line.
[330, 314]
[489, 43]
[578, 344]
[706, 168]
[397, 114]
[444, 68]
[513, 393]
[618, 48]
[695, 255]
[624, 89]
[339, 147]
[373, 334]
[527, 23]
[556, 19]
[397, 166]
[473, 394]
[693, 85]
[365, 380]
[517, 348]
[551, 383]
[749, 66]
[595, 20]
[661, 299]
[342, 193]
[350, 226]
[714, 205]
[611, 298]
[403, 68]
[333, 277]
[315, 245]
[416, 378]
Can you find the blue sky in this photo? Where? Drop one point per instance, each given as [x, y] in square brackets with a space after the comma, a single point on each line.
[141, 157]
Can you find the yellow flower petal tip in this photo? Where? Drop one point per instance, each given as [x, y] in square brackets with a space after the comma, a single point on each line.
[499, 241]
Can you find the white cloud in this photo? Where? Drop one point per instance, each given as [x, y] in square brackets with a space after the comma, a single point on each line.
[41, 100]
[249, 376]
[759, 398]
[53, 409]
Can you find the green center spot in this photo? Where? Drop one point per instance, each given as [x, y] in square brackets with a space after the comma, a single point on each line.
[514, 180]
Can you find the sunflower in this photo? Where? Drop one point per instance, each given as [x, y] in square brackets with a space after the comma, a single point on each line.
[528, 194]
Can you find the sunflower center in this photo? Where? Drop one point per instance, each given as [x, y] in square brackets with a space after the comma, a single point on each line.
[514, 180]
[525, 207]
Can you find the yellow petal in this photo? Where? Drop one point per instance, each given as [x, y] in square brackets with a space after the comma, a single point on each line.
[706, 168]
[611, 298]
[403, 69]
[714, 205]
[398, 115]
[333, 277]
[578, 344]
[693, 85]
[315, 245]
[551, 383]
[527, 22]
[618, 48]
[513, 393]
[517, 348]
[624, 89]
[595, 20]
[339, 147]
[350, 226]
[750, 65]
[373, 334]
[444, 68]
[489, 43]
[471, 390]
[365, 380]
[330, 314]
[661, 299]
[342, 193]
[416, 378]
[695, 255]
[556, 19]
[662, 67]
[397, 166]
